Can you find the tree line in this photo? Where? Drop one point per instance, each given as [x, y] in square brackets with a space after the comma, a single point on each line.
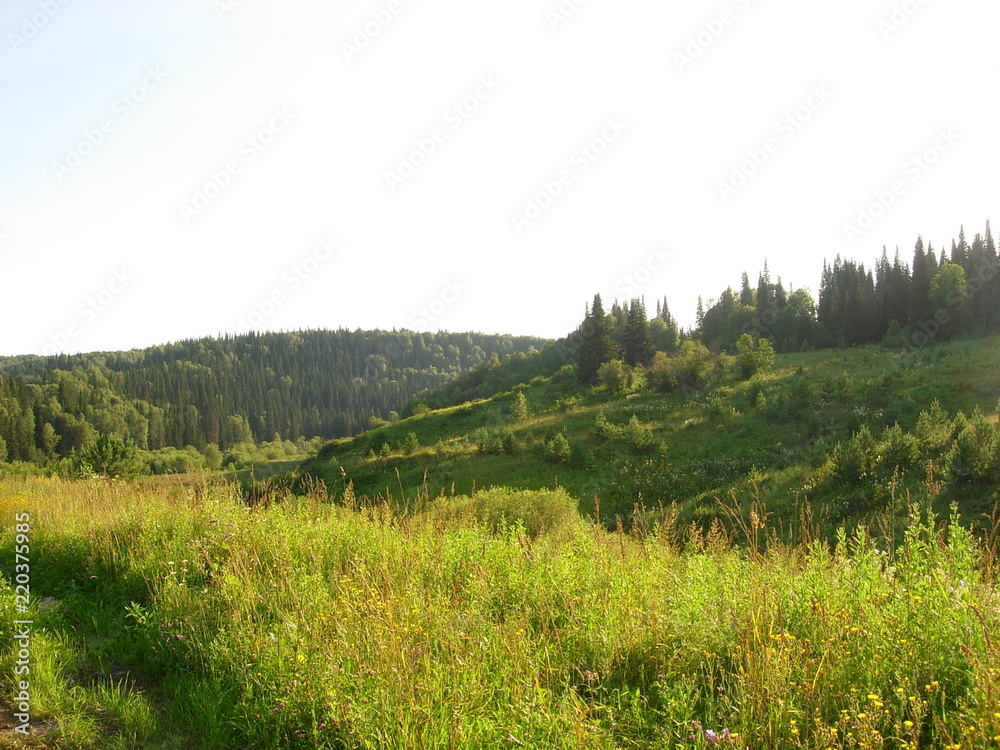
[903, 305]
[231, 390]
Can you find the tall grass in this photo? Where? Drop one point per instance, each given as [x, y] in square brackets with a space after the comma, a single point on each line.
[188, 619]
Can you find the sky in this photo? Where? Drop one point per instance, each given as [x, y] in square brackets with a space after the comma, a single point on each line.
[172, 170]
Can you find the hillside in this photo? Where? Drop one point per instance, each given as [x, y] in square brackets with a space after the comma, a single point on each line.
[774, 437]
[231, 390]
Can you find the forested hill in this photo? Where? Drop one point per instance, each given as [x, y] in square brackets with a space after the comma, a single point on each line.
[230, 390]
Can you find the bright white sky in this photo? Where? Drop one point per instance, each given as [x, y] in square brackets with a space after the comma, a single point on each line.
[105, 246]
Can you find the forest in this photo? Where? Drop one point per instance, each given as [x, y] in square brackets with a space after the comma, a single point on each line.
[209, 403]
[228, 391]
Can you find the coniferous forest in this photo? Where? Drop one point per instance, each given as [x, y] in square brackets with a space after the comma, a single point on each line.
[228, 391]
[235, 391]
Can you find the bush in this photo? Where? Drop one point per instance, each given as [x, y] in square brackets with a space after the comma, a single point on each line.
[898, 449]
[496, 442]
[110, 456]
[693, 367]
[501, 508]
[519, 409]
[854, 460]
[638, 436]
[974, 456]
[753, 361]
[410, 444]
[934, 429]
[615, 376]
[557, 449]
[605, 430]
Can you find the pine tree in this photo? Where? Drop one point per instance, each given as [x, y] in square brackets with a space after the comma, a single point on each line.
[596, 344]
[924, 268]
[638, 348]
[519, 409]
[746, 292]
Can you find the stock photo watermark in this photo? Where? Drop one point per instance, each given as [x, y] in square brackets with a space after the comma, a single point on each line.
[224, 7]
[913, 171]
[219, 180]
[120, 110]
[454, 117]
[926, 331]
[366, 33]
[656, 259]
[425, 315]
[419, 321]
[899, 17]
[786, 127]
[86, 313]
[580, 161]
[711, 30]
[560, 13]
[31, 26]
[292, 279]
[21, 631]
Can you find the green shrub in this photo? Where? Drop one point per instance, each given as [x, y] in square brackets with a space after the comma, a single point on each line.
[519, 409]
[410, 444]
[854, 460]
[557, 449]
[110, 456]
[934, 429]
[615, 376]
[898, 449]
[754, 360]
[500, 508]
[974, 456]
[638, 436]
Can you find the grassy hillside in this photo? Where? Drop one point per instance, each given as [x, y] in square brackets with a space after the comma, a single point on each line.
[772, 438]
[180, 618]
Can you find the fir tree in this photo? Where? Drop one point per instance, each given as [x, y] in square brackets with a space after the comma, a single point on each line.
[638, 348]
[596, 343]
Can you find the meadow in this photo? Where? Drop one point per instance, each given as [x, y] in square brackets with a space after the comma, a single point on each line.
[186, 618]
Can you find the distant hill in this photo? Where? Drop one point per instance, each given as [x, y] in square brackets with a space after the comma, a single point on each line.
[819, 428]
[230, 390]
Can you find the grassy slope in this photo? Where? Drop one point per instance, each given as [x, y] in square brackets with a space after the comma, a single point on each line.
[725, 438]
[187, 620]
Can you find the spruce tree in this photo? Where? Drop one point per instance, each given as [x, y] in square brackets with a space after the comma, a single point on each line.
[596, 344]
[638, 348]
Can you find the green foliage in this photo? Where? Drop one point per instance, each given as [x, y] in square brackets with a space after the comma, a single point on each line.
[634, 435]
[499, 509]
[694, 367]
[557, 448]
[225, 391]
[854, 461]
[638, 436]
[495, 615]
[637, 346]
[519, 408]
[934, 429]
[596, 343]
[974, 456]
[754, 359]
[213, 457]
[410, 444]
[615, 376]
[498, 442]
[898, 449]
[949, 296]
[110, 456]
